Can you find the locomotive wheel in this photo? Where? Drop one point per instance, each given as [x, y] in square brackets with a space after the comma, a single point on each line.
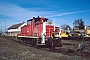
[20, 40]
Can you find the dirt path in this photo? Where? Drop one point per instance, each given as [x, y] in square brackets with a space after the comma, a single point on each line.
[10, 50]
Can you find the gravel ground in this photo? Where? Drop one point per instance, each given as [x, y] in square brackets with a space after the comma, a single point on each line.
[11, 50]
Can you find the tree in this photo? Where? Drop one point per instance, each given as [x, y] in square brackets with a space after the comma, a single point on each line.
[79, 23]
[65, 27]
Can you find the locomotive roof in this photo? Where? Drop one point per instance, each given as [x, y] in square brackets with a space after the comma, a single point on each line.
[15, 26]
[37, 18]
[57, 27]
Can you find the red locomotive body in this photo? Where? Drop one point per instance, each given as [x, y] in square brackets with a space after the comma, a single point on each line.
[38, 30]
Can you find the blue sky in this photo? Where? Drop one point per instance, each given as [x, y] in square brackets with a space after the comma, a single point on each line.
[60, 11]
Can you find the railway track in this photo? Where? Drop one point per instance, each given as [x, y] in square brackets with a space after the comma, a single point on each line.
[56, 49]
[76, 38]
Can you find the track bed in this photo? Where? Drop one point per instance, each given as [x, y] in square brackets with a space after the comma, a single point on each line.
[69, 48]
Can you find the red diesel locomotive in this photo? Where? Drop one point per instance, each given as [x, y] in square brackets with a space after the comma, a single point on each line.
[39, 31]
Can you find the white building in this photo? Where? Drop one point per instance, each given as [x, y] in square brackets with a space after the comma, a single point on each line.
[15, 29]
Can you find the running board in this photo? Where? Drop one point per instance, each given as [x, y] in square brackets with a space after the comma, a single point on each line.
[40, 44]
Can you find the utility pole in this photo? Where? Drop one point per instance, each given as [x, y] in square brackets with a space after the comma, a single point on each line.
[0, 26]
[5, 22]
[1, 30]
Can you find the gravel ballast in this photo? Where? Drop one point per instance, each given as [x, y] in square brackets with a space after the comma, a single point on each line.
[11, 50]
